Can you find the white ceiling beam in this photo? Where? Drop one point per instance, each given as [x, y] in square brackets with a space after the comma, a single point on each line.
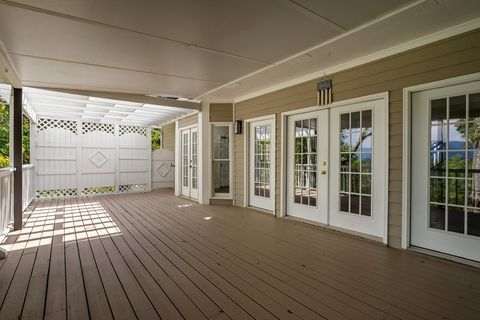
[128, 97]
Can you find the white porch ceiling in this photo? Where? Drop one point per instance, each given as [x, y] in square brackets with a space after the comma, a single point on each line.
[60, 105]
[198, 49]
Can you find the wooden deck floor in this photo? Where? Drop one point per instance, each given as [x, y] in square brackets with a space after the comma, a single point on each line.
[153, 255]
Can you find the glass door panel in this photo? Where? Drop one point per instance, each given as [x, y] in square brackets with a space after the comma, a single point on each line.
[261, 138]
[445, 210]
[307, 152]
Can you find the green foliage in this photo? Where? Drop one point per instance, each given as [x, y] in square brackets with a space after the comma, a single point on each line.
[156, 139]
[5, 136]
[26, 140]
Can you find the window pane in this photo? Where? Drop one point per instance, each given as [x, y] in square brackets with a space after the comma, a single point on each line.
[366, 209]
[474, 107]
[456, 191]
[438, 163]
[437, 190]
[354, 203]
[438, 137]
[344, 202]
[473, 222]
[221, 138]
[438, 110]
[456, 219]
[458, 108]
[437, 216]
[221, 176]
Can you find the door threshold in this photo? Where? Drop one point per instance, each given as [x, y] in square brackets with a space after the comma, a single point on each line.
[270, 212]
[338, 229]
[444, 256]
[187, 198]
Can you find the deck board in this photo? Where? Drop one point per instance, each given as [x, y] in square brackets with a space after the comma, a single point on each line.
[157, 256]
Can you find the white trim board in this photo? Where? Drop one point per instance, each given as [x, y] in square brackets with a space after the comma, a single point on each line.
[406, 157]
[425, 40]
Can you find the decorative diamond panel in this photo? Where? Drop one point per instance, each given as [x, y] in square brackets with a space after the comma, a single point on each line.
[45, 123]
[98, 190]
[133, 129]
[56, 193]
[163, 169]
[98, 127]
[131, 187]
[98, 159]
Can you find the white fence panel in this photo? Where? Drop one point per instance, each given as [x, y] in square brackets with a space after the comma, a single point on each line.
[56, 157]
[134, 159]
[98, 158]
[80, 158]
[163, 169]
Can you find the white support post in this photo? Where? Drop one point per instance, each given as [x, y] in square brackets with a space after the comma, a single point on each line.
[33, 153]
[178, 163]
[204, 176]
[149, 159]
[79, 158]
[117, 158]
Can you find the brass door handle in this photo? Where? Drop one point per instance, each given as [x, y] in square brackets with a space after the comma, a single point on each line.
[323, 172]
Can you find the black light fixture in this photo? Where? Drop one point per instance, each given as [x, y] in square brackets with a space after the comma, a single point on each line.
[238, 127]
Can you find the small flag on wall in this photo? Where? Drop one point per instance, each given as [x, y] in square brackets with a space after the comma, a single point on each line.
[324, 92]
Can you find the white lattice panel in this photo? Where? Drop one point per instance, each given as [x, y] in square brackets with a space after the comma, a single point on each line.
[84, 158]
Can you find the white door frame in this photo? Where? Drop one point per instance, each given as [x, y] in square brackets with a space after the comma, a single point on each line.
[246, 158]
[406, 159]
[283, 148]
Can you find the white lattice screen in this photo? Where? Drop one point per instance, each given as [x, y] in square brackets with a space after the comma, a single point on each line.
[86, 158]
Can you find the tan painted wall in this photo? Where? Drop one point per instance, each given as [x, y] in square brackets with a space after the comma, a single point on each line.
[168, 133]
[221, 112]
[188, 121]
[445, 59]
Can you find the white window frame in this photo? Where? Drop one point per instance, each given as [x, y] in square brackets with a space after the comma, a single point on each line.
[407, 136]
[228, 195]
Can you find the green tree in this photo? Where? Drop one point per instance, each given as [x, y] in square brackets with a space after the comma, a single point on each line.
[156, 139]
[4, 133]
[5, 136]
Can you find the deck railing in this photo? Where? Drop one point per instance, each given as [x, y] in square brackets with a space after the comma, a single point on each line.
[6, 194]
[6, 199]
[28, 188]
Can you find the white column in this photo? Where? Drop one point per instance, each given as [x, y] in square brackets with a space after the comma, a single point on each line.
[178, 162]
[204, 175]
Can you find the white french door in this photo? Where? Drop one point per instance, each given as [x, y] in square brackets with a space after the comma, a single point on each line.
[445, 170]
[358, 166]
[189, 145]
[262, 165]
[336, 167]
[307, 155]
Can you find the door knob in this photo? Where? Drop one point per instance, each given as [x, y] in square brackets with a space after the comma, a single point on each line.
[323, 172]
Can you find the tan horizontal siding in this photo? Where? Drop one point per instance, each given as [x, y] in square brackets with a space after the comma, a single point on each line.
[444, 59]
[168, 136]
[221, 112]
[188, 121]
